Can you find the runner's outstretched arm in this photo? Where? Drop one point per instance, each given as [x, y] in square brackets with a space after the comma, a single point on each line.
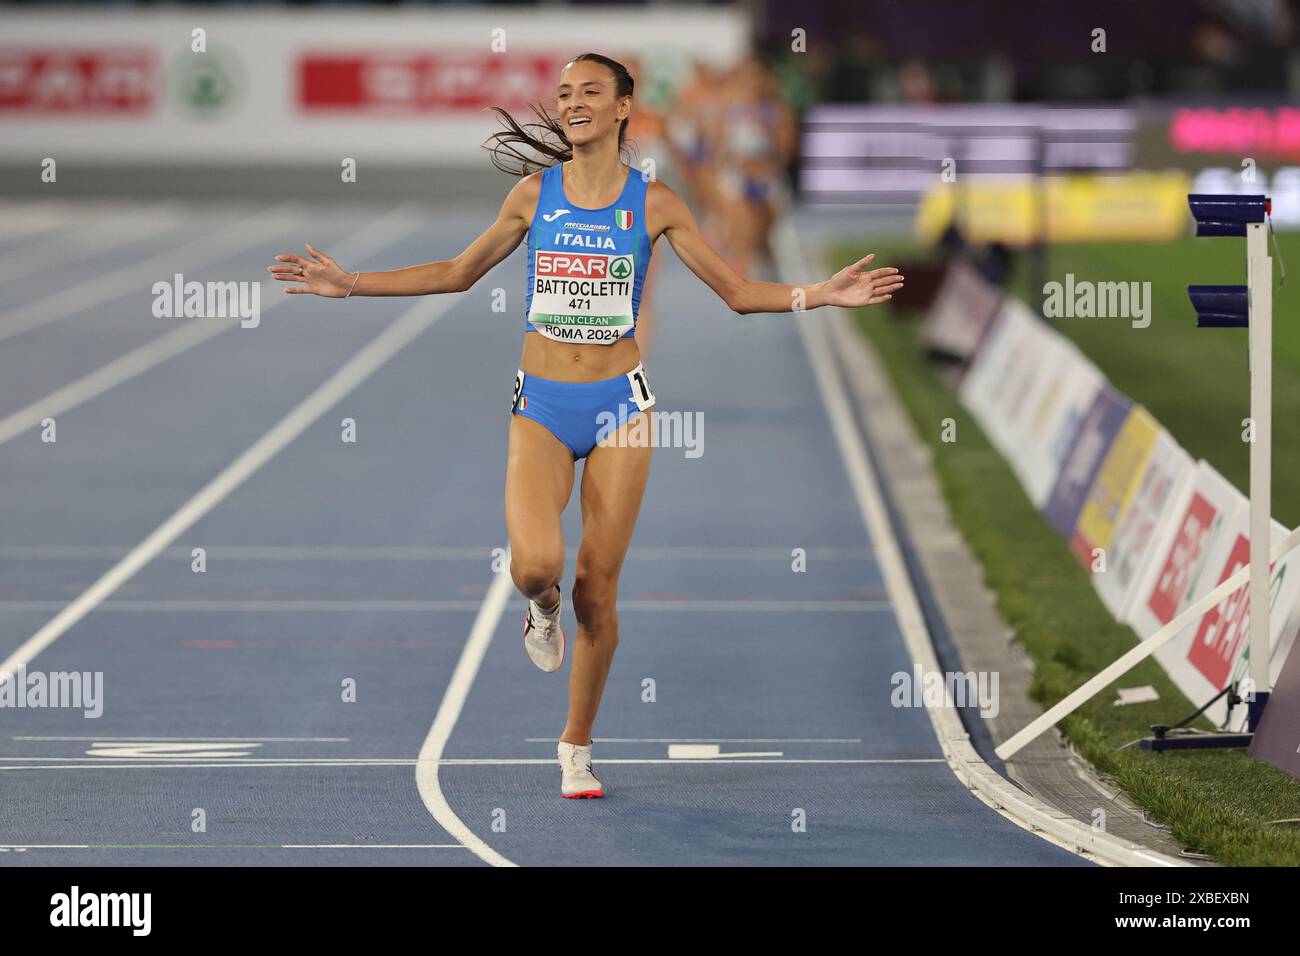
[851, 287]
[321, 275]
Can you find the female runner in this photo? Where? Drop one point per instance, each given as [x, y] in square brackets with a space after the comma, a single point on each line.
[590, 221]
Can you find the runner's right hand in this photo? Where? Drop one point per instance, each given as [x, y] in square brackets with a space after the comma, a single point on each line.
[320, 274]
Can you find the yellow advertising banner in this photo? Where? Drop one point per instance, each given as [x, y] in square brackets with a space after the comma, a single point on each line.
[1116, 483]
[1080, 208]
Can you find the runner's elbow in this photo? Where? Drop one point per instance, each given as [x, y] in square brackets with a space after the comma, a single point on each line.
[458, 279]
[737, 301]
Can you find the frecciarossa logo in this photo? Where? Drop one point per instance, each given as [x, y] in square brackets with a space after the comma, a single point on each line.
[582, 266]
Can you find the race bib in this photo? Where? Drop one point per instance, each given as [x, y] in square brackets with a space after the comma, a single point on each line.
[641, 393]
[582, 297]
[519, 387]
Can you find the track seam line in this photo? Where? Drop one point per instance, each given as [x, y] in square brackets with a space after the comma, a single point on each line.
[369, 359]
[159, 349]
[55, 252]
[122, 281]
[370, 606]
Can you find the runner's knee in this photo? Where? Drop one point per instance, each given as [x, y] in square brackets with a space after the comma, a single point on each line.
[593, 597]
[535, 573]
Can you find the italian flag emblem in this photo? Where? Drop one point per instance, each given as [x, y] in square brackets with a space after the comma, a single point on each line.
[623, 218]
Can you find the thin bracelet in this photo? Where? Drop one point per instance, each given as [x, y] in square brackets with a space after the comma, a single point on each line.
[354, 284]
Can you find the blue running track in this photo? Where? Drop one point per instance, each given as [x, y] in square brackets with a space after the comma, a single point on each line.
[745, 696]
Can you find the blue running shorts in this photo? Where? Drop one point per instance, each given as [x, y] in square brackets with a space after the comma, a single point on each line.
[580, 414]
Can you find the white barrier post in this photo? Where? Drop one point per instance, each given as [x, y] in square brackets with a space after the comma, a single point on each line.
[1259, 286]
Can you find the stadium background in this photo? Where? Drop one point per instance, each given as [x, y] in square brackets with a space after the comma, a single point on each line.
[1069, 157]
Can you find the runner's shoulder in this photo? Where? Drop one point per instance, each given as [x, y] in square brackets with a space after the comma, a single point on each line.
[663, 203]
[521, 202]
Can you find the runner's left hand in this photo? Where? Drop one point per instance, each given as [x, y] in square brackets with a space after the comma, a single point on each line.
[853, 286]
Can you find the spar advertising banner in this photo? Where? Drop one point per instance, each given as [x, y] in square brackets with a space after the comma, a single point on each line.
[962, 313]
[1180, 570]
[1209, 655]
[1145, 525]
[1115, 485]
[286, 86]
[1092, 440]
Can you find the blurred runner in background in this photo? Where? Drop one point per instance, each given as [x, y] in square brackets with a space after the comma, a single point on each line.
[757, 143]
[695, 137]
[647, 131]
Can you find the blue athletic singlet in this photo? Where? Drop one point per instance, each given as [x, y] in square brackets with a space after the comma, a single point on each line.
[586, 266]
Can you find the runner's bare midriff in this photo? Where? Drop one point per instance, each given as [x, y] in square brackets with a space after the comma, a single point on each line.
[564, 362]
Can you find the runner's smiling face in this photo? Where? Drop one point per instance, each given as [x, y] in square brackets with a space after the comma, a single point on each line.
[587, 105]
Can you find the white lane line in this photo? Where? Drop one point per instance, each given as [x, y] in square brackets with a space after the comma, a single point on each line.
[294, 740]
[140, 276]
[356, 370]
[429, 767]
[125, 226]
[736, 606]
[453, 701]
[125, 367]
[135, 606]
[39, 216]
[758, 553]
[109, 756]
[231, 846]
[702, 740]
[371, 846]
[389, 228]
[73, 552]
[324, 552]
[258, 607]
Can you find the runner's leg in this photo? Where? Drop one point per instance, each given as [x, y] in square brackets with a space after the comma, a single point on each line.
[613, 484]
[539, 480]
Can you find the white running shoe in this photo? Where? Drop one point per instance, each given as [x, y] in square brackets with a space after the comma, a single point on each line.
[544, 637]
[575, 766]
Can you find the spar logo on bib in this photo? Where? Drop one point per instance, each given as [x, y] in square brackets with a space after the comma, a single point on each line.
[623, 218]
[572, 265]
[581, 265]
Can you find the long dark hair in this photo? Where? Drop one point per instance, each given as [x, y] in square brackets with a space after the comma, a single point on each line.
[546, 138]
